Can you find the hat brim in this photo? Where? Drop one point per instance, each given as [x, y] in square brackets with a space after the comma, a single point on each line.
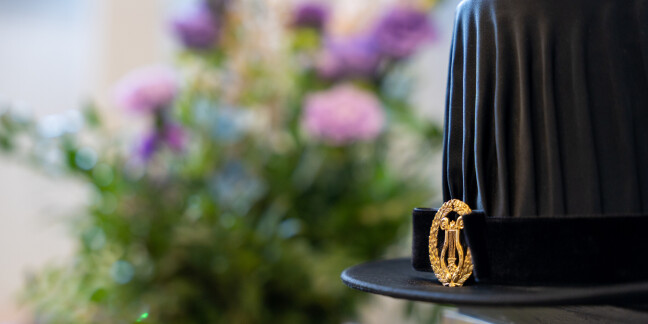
[396, 278]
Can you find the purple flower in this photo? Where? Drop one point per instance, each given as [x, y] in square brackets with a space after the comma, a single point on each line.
[196, 26]
[310, 14]
[400, 32]
[342, 115]
[147, 90]
[147, 146]
[348, 57]
[172, 135]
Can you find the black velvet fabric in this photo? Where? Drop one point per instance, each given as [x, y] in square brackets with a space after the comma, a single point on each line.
[421, 220]
[546, 134]
[547, 108]
[565, 250]
[569, 250]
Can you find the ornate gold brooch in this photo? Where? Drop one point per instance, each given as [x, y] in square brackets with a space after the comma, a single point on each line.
[455, 271]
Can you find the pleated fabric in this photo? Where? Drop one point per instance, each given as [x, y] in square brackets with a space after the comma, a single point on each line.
[547, 107]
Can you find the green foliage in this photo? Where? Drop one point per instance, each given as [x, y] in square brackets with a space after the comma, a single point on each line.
[252, 222]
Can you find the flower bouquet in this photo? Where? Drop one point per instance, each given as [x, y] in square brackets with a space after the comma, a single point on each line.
[277, 154]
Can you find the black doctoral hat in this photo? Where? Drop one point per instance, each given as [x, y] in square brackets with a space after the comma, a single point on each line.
[546, 139]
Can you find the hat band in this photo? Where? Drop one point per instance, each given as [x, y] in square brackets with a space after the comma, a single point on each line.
[546, 250]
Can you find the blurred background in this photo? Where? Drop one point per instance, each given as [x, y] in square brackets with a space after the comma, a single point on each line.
[139, 136]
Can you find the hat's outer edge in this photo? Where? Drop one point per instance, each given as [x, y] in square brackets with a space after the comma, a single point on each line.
[395, 278]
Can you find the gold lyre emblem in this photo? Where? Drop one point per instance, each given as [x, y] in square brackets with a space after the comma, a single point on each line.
[458, 268]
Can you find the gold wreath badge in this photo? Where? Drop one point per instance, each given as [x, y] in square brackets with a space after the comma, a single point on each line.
[455, 271]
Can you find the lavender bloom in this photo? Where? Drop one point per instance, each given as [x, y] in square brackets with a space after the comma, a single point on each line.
[147, 90]
[400, 32]
[146, 147]
[343, 115]
[196, 27]
[310, 14]
[348, 57]
[172, 135]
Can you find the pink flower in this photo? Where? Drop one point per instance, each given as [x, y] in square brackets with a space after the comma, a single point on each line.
[342, 115]
[147, 90]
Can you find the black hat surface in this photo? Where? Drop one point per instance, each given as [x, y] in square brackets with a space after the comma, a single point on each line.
[546, 139]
